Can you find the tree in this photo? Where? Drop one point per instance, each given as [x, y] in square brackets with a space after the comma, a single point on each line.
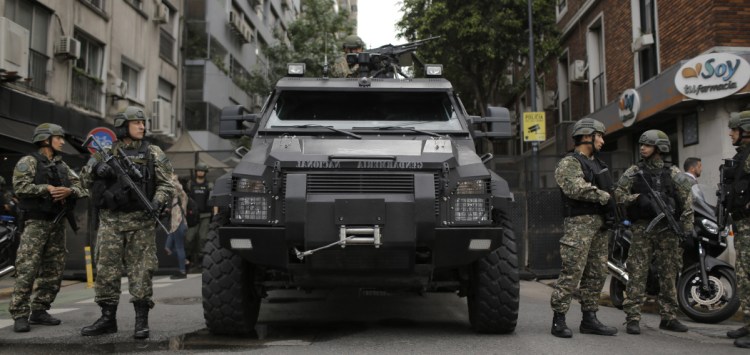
[480, 41]
[311, 40]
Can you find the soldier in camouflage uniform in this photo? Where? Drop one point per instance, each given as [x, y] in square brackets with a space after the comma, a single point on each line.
[126, 236]
[47, 187]
[661, 243]
[583, 249]
[342, 69]
[739, 125]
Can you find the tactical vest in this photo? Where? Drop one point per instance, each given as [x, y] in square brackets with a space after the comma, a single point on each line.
[739, 184]
[199, 193]
[660, 179]
[48, 172]
[590, 167]
[115, 195]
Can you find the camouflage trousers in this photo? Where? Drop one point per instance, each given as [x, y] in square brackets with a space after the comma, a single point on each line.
[40, 258]
[583, 250]
[131, 251]
[196, 238]
[664, 248]
[742, 265]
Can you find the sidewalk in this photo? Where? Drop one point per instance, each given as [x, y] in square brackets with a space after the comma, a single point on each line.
[7, 283]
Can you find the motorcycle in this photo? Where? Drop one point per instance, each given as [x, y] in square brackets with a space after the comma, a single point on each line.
[707, 284]
[8, 244]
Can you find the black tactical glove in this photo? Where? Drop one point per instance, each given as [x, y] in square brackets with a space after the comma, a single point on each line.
[103, 170]
[157, 206]
[644, 202]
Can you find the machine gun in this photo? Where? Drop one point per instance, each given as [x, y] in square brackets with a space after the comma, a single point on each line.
[151, 211]
[726, 172]
[664, 210]
[385, 61]
[69, 203]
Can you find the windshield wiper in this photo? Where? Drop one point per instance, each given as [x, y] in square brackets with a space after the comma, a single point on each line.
[350, 134]
[433, 134]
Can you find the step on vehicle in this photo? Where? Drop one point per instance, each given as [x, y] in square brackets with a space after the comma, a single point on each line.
[371, 183]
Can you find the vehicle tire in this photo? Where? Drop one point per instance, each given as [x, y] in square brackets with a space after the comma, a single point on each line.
[230, 300]
[494, 289]
[616, 292]
[715, 306]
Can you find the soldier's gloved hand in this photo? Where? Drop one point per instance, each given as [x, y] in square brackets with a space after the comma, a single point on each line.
[644, 202]
[103, 170]
[604, 198]
[157, 205]
[688, 239]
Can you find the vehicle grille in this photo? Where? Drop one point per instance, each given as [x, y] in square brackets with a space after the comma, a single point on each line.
[360, 183]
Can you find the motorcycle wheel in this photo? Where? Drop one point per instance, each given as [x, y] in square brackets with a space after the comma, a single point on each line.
[616, 292]
[716, 305]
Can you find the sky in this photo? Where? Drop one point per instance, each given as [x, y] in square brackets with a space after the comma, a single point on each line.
[376, 22]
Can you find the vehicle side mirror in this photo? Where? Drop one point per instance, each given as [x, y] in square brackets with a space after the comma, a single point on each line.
[236, 121]
[497, 123]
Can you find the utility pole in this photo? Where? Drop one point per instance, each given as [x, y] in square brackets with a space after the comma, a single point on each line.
[532, 73]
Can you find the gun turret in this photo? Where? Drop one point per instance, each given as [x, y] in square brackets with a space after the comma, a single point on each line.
[386, 61]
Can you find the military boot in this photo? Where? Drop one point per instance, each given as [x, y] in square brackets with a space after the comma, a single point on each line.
[738, 333]
[672, 325]
[21, 325]
[106, 324]
[42, 317]
[743, 342]
[141, 320]
[559, 328]
[633, 327]
[591, 325]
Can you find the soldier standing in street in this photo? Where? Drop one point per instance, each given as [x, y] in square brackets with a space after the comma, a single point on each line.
[198, 189]
[341, 68]
[583, 248]
[47, 189]
[661, 243]
[736, 181]
[126, 236]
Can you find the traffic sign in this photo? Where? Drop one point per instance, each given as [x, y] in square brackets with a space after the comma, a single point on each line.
[104, 136]
[534, 127]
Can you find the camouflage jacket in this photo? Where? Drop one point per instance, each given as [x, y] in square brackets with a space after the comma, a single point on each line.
[341, 69]
[569, 177]
[624, 195]
[25, 171]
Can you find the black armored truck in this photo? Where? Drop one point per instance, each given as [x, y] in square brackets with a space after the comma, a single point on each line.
[372, 183]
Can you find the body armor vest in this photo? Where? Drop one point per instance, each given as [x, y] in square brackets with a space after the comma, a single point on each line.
[48, 172]
[591, 168]
[199, 193]
[114, 194]
[660, 179]
[738, 184]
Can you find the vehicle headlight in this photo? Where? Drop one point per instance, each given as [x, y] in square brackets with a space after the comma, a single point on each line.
[710, 226]
[251, 207]
[249, 185]
[470, 209]
[473, 187]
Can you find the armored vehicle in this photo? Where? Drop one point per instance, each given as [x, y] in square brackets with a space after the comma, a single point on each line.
[367, 183]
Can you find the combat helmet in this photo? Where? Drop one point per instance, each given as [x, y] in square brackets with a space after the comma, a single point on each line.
[131, 113]
[656, 138]
[740, 120]
[43, 131]
[201, 167]
[352, 42]
[587, 126]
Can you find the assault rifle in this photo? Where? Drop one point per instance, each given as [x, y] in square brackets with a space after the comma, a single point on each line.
[664, 210]
[384, 61]
[69, 203]
[723, 194]
[151, 210]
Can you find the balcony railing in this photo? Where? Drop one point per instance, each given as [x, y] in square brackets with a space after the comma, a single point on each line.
[86, 92]
[598, 87]
[38, 71]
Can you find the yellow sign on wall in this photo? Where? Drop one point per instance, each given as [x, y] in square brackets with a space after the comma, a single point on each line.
[534, 127]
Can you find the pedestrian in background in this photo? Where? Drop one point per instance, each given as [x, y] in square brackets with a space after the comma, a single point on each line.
[583, 247]
[661, 243]
[198, 189]
[691, 171]
[177, 228]
[47, 189]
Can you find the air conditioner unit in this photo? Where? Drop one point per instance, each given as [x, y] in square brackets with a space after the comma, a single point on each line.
[68, 48]
[235, 21]
[642, 42]
[118, 88]
[14, 48]
[162, 14]
[161, 117]
[549, 100]
[578, 70]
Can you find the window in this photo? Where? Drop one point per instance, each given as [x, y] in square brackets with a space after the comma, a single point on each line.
[165, 90]
[595, 50]
[99, 4]
[86, 86]
[138, 4]
[563, 82]
[36, 19]
[561, 8]
[167, 47]
[92, 53]
[131, 75]
[644, 32]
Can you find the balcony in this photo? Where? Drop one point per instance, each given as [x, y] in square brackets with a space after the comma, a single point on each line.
[86, 91]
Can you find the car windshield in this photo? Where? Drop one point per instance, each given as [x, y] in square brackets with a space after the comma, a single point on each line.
[346, 110]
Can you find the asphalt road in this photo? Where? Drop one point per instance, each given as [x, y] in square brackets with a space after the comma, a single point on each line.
[347, 322]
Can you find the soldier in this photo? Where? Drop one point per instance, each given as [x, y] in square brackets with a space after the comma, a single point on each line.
[583, 248]
[342, 69]
[198, 189]
[126, 237]
[739, 175]
[47, 189]
[661, 243]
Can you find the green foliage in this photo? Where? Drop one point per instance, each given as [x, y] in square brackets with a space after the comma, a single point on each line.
[312, 36]
[479, 41]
